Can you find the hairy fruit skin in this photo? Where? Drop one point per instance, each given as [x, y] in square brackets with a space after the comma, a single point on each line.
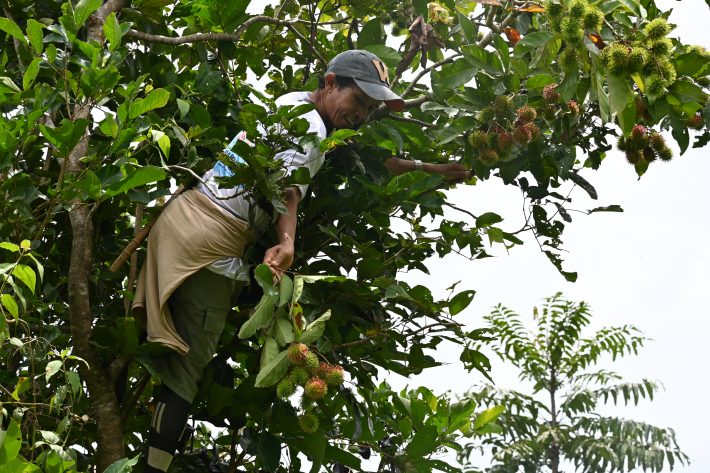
[522, 135]
[505, 142]
[648, 154]
[315, 388]
[633, 156]
[637, 59]
[665, 153]
[334, 376]
[573, 107]
[695, 122]
[489, 157]
[656, 141]
[577, 8]
[487, 115]
[297, 353]
[549, 94]
[502, 106]
[311, 363]
[478, 139]
[593, 19]
[657, 29]
[308, 422]
[526, 114]
[286, 388]
[300, 376]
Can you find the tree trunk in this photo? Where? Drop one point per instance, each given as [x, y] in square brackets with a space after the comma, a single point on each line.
[554, 453]
[102, 394]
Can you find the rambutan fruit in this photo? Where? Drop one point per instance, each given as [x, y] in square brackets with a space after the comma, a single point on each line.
[573, 107]
[486, 115]
[478, 139]
[311, 363]
[661, 47]
[633, 156]
[637, 59]
[657, 29]
[618, 56]
[593, 19]
[522, 135]
[665, 153]
[577, 8]
[622, 143]
[549, 94]
[489, 157]
[504, 142]
[286, 387]
[533, 130]
[526, 114]
[695, 122]
[648, 154]
[297, 353]
[308, 422]
[334, 376]
[655, 85]
[502, 106]
[569, 59]
[554, 9]
[656, 141]
[300, 376]
[315, 388]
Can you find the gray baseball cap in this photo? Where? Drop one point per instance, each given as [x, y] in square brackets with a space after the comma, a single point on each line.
[369, 73]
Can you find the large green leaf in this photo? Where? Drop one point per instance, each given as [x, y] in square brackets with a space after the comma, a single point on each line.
[10, 305]
[10, 27]
[26, 275]
[619, 91]
[155, 99]
[124, 465]
[36, 35]
[135, 177]
[460, 301]
[532, 41]
[262, 316]
[424, 442]
[315, 329]
[84, 9]
[10, 442]
[274, 371]
[482, 58]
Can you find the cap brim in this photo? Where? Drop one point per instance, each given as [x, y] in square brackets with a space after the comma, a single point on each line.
[380, 92]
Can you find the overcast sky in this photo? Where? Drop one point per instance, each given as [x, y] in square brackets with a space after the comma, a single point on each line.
[649, 266]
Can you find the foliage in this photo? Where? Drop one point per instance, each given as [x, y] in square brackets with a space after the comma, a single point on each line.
[558, 419]
[105, 105]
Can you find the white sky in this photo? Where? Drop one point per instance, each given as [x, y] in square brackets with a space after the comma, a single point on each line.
[647, 266]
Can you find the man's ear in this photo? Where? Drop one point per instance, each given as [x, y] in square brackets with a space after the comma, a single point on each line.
[329, 80]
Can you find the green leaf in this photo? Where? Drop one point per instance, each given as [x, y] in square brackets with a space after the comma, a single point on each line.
[52, 368]
[11, 28]
[265, 278]
[343, 457]
[283, 331]
[568, 88]
[584, 184]
[91, 185]
[84, 9]
[686, 91]
[315, 329]
[488, 416]
[467, 27]
[9, 303]
[388, 55]
[274, 371]
[135, 177]
[423, 443]
[26, 275]
[269, 351]
[482, 58]
[539, 80]
[184, 107]
[124, 465]
[285, 290]
[66, 136]
[689, 64]
[6, 245]
[532, 41]
[460, 301]
[157, 98]
[10, 442]
[269, 451]
[488, 219]
[36, 35]
[112, 31]
[263, 313]
[618, 93]
[371, 33]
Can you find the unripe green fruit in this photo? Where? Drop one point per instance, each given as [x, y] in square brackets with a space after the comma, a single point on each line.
[311, 362]
[593, 19]
[633, 156]
[577, 8]
[665, 153]
[657, 29]
[648, 154]
[502, 106]
[478, 139]
[569, 60]
[656, 141]
[300, 376]
[308, 422]
[489, 157]
[661, 47]
[618, 55]
[637, 59]
[666, 70]
[655, 85]
[286, 388]
[334, 376]
[486, 115]
[622, 143]
[554, 10]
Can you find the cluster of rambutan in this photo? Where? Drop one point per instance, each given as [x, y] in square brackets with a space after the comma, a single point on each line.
[551, 106]
[572, 19]
[644, 145]
[505, 127]
[648, 56]
[398, 18]
[314, 377]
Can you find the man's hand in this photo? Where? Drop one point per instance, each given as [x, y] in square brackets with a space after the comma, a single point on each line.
[450, 171]
[279, 258]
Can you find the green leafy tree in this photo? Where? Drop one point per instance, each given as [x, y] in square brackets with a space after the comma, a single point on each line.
[105, 104]
[557, 421]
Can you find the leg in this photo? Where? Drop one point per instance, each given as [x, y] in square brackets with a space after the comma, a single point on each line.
[199, 309]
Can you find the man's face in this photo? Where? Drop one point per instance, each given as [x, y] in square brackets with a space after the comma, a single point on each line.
[346, 107]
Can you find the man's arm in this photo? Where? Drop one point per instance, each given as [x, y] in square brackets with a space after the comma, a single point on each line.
[450, 171]
[279, 258]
